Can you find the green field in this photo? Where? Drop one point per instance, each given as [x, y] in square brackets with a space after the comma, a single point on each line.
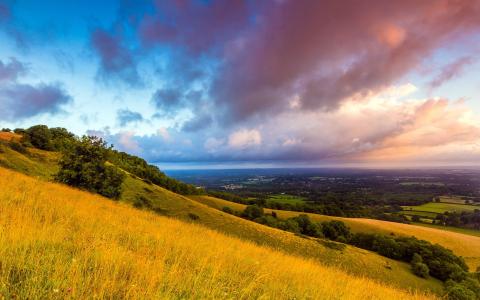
[440, 208]
[286, 199]
[452, 199]
[426, 214]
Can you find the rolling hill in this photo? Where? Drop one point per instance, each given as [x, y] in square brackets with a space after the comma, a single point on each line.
[464, 245]
[59, 242]
[355, 261]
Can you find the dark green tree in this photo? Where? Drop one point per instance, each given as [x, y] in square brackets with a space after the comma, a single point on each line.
[85, 166]
[252, 212]
[39, 136]
[418, 267]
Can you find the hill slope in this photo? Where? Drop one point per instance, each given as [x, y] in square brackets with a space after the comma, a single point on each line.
[58, 242]
[464, 245]
[352, 260]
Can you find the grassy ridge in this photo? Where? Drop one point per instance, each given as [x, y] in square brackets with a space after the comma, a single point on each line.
[59, 242]
[462, 244]
[352, 260]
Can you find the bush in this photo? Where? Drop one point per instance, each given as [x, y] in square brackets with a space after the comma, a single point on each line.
[39, 136]
[420, 269]
[458, 291]
[289, 225]
[141, 202]
[227, 210]
[85, 166]
[252, 212]
[415, 218]
[334, 229]
[16, 146]
[307, 227]
[6, 130]
[193, 216]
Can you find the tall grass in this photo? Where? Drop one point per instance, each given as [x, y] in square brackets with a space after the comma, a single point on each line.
[460, 243]
[59, 243]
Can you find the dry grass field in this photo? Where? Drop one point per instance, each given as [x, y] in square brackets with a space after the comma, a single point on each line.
[61, 243]
[464, 245]
[8, 136]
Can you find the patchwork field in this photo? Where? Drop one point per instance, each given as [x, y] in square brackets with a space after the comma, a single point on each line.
[288, 199]
[58, 242]
[441, 207]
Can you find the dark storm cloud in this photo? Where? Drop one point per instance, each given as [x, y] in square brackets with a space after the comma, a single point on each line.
[11, 70]
[198, 122]
[199, 26]
[125, 117]
[20, 101]
[167, 100]
[116, 60]
[325, 51]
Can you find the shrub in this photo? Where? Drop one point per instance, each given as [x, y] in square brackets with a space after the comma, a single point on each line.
[193, 216]
[289, 225]
[252, 212]
[84, 166]
[420, 269]
[141, 202]
[40, 137]
[307, 227]
[415, 218]
[6, 130]
[16, 146]
[458, 291]
[334, 229]
[227, 210]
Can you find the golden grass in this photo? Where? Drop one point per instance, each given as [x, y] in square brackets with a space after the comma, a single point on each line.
[8, 136]
[461, 244]
[59, 243]
[354, 261]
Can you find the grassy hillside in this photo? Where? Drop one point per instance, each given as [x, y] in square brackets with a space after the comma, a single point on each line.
[462, 244]
[352, 260]
[58, 242]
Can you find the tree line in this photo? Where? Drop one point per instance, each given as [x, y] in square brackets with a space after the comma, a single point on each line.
[89, 163]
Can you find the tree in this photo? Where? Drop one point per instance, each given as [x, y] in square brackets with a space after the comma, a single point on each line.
[39, 136]
[252, 212]
[85, 166]
[307, 227]
[334, 229]
[418, 267]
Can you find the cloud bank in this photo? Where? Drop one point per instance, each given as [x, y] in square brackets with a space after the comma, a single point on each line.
[20, 101]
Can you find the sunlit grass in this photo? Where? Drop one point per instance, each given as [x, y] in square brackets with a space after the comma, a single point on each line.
[461, 243]
[58, 243]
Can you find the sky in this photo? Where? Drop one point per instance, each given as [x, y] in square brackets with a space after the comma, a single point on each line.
[285, 83]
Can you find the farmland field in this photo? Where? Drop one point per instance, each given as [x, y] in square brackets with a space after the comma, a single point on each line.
[441, 208]
[282, 198]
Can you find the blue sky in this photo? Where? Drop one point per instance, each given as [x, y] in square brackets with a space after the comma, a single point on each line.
[250, 83]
